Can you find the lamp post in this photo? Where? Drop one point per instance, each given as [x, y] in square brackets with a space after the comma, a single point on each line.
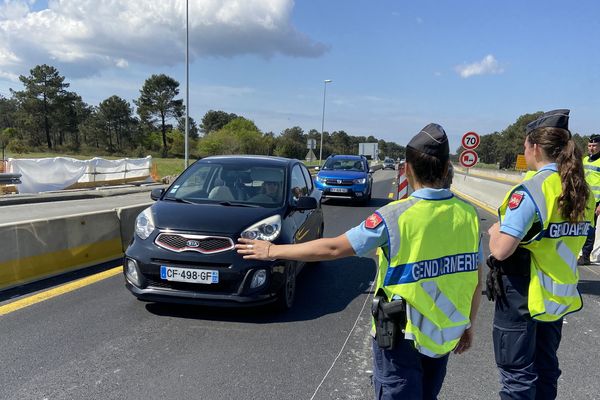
[325, 82]
[187, 83]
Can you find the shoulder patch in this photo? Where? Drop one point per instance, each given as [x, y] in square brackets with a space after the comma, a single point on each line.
[515, 200]
[373, 221]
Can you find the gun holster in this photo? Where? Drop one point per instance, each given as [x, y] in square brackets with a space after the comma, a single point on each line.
[517, 263]
[390, 320]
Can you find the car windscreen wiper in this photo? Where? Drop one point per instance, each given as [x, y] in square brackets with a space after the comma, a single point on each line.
[179, 200]
[235, 204]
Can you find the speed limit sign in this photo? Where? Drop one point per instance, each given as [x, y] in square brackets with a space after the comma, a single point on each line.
[470, 140]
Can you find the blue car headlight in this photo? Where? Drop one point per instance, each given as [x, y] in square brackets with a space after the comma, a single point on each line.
[267, 229]
[321, 179]
[361, 181]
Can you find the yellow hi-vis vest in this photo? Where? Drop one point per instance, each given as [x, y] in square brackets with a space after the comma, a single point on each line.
[432, 262]
[592, 175]
[553, 286]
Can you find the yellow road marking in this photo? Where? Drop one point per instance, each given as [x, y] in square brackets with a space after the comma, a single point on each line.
[48, 294]
[475, 201]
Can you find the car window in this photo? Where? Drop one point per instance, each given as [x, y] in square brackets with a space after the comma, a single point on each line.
[348, 164]
[234, 183]
[298, 184]
[308, 179]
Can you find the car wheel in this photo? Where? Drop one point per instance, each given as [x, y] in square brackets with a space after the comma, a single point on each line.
[287, 294]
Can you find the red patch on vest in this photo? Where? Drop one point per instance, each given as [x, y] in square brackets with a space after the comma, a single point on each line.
[515, 200]
[373, 221]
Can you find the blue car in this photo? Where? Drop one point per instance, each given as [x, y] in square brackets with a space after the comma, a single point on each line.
[345, 177]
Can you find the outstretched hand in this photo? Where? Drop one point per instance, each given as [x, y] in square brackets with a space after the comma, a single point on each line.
[254, 249]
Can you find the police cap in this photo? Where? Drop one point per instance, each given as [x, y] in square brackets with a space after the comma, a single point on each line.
[550, 119]
[595, 138]
[431, 140]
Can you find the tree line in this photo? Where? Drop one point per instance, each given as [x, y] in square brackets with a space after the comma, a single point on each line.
[502, 147]
[45, 116]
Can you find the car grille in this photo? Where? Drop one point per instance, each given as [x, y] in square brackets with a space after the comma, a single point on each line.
[179, 242]
[340, 182]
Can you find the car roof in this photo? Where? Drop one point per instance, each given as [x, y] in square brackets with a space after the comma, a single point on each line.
[348, 156]
[251, 159]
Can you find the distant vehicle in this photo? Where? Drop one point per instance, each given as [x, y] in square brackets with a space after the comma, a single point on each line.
[389, 163]
[346, 177]
[183, 251]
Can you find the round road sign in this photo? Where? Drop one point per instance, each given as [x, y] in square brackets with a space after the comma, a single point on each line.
[470, 140]
[468, 158]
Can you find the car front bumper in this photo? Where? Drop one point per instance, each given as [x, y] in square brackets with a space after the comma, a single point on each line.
[233, 288]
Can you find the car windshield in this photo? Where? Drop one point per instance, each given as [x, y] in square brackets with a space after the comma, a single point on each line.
[388, 161]
[348, 164]
[230, 184]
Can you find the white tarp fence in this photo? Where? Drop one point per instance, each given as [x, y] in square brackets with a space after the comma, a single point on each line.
[47, 174]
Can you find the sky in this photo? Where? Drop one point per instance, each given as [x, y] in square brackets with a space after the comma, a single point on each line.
[395, 65]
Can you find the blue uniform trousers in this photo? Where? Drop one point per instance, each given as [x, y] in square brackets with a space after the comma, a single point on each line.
[525, 349]
[404, 373]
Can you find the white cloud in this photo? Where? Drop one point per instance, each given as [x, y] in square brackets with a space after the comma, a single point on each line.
[12, 9]
[489, 65]
[87, 36]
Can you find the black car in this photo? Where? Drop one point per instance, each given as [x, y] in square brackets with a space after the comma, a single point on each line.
[183, 251]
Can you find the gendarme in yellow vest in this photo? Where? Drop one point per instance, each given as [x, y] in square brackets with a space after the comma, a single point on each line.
[592, 176]
[433, 248]
[554, 250]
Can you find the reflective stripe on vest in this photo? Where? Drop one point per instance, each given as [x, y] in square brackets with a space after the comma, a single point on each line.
[432, 280]
[432, 331]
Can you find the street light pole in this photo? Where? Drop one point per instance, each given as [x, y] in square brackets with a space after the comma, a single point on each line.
[187, 83]
[325, 82]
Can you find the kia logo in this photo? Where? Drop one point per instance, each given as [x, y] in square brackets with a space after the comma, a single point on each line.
[192, 243]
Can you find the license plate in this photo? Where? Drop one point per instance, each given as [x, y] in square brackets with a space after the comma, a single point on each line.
[189, 275]
[339, 190]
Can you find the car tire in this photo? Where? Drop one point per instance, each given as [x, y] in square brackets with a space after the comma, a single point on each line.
[287, 293]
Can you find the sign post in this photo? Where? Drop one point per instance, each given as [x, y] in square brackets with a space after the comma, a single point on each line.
[469, 157]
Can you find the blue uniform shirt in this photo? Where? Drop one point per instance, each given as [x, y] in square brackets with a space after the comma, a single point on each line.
[518, 221]
[363, 240]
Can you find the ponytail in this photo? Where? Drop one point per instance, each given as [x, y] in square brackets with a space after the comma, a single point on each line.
[575, 191]
[560, 148]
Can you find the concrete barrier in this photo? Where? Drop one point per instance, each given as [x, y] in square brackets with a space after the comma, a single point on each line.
[487, 191]
[38, 249]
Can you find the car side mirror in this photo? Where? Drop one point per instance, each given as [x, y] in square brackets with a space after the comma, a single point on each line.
[156, 193]
[317, 168]
[371, 170]
[306, 203]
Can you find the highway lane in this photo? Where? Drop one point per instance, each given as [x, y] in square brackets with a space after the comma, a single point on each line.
[98, 342]
[12, 214]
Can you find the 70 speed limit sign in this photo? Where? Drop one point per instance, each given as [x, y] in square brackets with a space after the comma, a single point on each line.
[470, 140]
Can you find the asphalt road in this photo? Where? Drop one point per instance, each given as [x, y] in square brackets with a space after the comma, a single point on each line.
[98, 342]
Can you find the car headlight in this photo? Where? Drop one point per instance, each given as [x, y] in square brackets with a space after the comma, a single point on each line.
[144, 224]
[267, 229]
[321, 180]
[361, 180]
